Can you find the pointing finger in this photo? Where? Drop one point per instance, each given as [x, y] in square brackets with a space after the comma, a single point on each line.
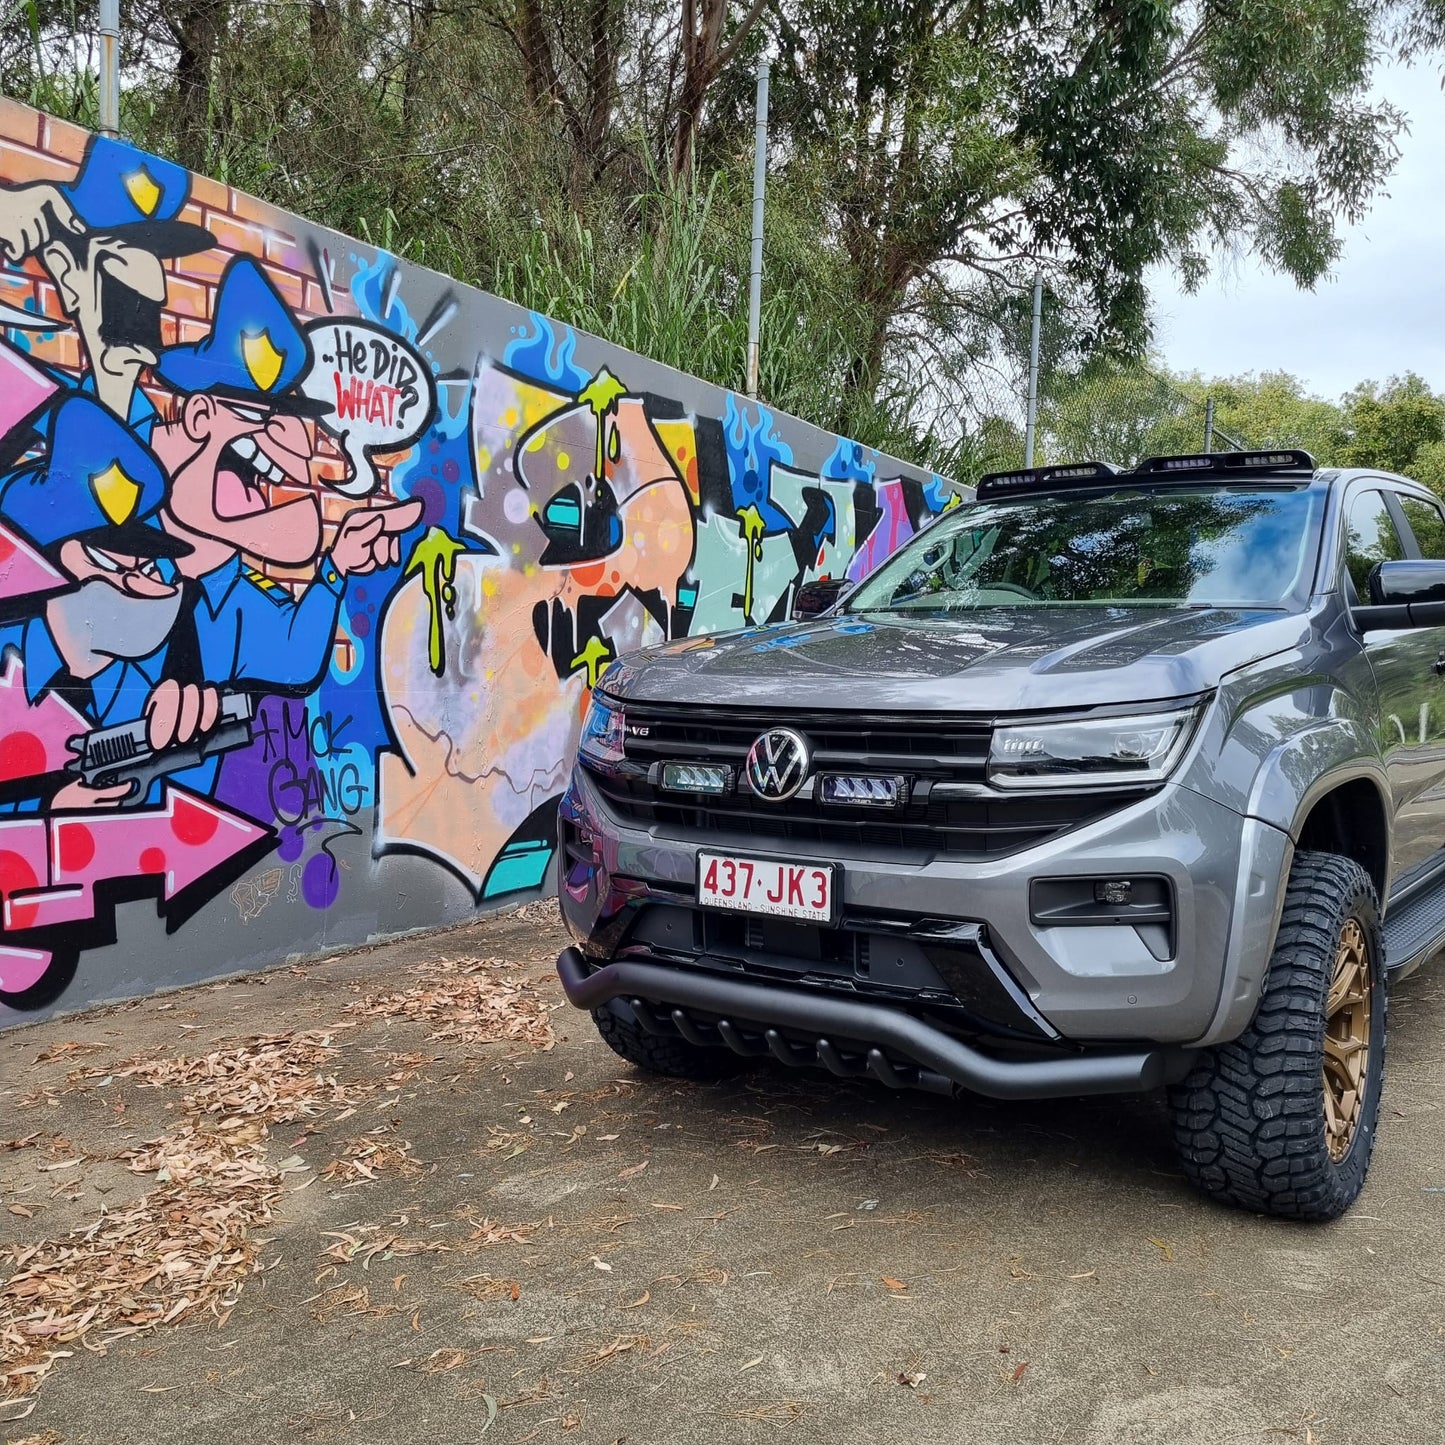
[402, 517]
[363, 525]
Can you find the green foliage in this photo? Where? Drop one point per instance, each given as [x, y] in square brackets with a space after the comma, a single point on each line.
[1387, 426]
[1121, 411]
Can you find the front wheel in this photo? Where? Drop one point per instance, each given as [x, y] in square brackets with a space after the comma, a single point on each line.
[1282, 1119]
[665, 1054]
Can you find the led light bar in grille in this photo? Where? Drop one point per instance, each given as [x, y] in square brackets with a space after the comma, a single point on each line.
[709, 778]
[863, 790]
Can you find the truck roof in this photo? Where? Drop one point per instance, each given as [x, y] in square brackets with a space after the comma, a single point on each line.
[1281, 465]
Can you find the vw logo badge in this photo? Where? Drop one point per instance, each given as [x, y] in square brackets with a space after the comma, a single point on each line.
[777, 764]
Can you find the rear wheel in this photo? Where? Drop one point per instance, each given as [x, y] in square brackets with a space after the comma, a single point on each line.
[666, 1054]
[1282, 1119]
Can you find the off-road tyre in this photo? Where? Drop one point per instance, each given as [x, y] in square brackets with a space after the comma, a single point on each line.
[1250, 1119]
[665, 1054]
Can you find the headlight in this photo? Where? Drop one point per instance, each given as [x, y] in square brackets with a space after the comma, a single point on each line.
[1091, 752]
[602, 734]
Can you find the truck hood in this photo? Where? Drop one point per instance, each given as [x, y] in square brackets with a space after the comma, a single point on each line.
[1004, 660]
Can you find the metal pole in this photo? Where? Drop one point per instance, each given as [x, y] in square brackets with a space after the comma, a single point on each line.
[110, 67]
[1033, 412]
[760, 177]
[1208, 426]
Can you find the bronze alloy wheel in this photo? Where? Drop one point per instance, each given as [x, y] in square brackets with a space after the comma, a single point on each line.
[1347, 1039]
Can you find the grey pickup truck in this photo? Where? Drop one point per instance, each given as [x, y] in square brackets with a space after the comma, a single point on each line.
[1106, 781]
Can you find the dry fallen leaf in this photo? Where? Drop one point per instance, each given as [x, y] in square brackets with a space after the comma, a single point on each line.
[1162, 1247]
[756, 1360]
[601, 1264]
[639, 1302]
[632, 1172]
[1019, 1369]
[475, 1001]
[912, 1378]
[181, 1249]
[893, 1283]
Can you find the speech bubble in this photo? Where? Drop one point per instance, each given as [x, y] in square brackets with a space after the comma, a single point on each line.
[380, 387]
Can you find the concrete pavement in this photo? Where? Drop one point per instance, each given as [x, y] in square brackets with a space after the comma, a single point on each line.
[539, 1243]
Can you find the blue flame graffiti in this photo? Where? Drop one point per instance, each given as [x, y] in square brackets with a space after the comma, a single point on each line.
[937, 494]
[851, 462]
[377, 291]
[752, 448]
[544, 355]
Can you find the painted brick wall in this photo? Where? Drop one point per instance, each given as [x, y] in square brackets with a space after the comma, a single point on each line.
[547, 503]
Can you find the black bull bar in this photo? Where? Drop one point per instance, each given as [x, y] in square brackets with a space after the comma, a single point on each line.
[737, 1007]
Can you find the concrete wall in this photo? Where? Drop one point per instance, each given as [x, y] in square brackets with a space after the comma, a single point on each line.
[369, 534]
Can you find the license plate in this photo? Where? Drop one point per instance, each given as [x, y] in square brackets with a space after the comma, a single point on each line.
[766, 885]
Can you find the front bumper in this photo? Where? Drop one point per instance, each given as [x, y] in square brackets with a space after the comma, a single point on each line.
[1099, 987]
[850, 1037]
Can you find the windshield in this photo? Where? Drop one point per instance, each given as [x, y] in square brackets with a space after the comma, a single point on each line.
[1177, 546]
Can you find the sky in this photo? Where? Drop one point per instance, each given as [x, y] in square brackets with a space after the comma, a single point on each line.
[1381, 314]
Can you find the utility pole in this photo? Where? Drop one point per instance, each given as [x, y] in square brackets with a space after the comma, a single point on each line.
[110, 67]
[760, 178]
[1208, 426]
[1033, 411]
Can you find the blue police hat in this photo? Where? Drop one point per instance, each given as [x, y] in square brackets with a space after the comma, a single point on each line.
[255, 351]
[124, 192]
[97, 483]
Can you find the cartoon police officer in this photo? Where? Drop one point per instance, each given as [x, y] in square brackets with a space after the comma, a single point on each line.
[102, 644]
[102, 238]
[239, 459]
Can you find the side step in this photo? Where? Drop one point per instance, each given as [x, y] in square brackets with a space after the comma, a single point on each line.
[1415, 929]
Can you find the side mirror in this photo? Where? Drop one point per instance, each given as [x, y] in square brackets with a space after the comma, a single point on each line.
[813, 599]
[1399, 584]
[1408, 593]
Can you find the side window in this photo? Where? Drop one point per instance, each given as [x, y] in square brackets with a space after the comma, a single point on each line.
[1370, 537]
[1427, 522]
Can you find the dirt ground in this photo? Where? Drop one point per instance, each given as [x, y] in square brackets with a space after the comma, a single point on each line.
[363, 1223]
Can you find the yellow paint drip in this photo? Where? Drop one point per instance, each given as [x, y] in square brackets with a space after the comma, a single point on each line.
[592, 657]
[753, 527]
[602, 394]
[434, 560]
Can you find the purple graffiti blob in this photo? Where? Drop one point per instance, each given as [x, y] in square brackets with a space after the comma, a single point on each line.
[291, 845]
[433, 501]
[320, 881]
[360, 624]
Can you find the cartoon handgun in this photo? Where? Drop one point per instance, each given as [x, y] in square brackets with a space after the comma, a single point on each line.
[123, 753]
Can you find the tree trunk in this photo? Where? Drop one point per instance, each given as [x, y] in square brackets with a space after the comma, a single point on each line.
[199, 27]
[703, 57]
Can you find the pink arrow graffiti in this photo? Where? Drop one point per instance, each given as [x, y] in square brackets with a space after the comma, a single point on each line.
[35, 733]
[49, 867]
[23, 571]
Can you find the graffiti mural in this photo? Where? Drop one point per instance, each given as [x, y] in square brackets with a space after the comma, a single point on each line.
[309, 560]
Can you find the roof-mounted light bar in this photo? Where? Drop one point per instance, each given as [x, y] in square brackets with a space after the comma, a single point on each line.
[1281, 459]
[1046, 478]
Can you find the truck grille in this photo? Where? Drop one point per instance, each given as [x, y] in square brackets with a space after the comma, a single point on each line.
[939, 749]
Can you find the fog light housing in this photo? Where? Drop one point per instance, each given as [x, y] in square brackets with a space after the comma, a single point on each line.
[709, 778]
[863, 790]
[1115, 891]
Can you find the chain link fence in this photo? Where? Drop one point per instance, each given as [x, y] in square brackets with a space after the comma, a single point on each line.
[1099, 409]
